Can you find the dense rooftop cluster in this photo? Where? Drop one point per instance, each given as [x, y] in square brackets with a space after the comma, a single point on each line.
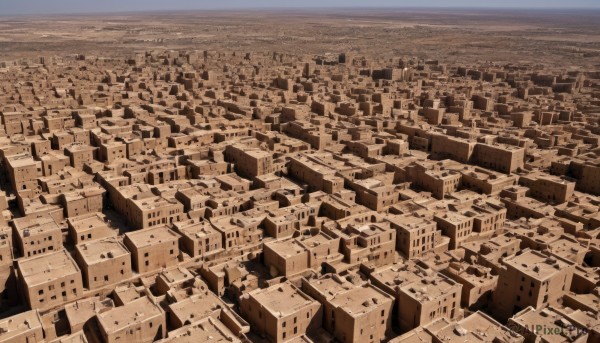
[203, 196]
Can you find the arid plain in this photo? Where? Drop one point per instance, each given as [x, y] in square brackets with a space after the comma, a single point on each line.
[525, 36]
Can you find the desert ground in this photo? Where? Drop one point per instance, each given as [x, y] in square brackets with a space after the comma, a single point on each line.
[569, 38]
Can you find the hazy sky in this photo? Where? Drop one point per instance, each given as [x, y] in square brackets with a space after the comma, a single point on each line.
[10, 7]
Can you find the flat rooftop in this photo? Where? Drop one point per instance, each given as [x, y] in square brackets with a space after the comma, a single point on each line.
[430, 288]
[15, 326]
[176, 275]
[410, 222]
[81, 311]
[122, 317]
[360, 300]
[398, 275]
[550, 318]
[102, 250]
[536, 264]
[286, 248]
[196, 307]
[41, 269]
[478, 327]
[88, 221]
[282, 299]
[35, 226]
[155, 235]
[205, 330]
[195, 228]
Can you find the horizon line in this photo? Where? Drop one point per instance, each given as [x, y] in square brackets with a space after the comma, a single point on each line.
[307, 9]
